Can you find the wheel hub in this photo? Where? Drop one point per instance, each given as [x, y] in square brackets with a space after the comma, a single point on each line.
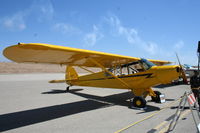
[138, 102]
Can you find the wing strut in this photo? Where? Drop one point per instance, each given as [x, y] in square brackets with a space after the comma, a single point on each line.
[86, 69]
[102, 67]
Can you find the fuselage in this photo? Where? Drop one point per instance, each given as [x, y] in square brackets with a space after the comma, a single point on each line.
[154, 76]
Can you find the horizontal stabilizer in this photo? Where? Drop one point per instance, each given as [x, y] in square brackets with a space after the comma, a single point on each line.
[57, 81]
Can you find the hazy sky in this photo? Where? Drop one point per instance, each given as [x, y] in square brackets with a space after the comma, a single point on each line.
[153, 29]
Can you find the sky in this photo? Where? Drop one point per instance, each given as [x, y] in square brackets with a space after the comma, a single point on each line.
[152, 29]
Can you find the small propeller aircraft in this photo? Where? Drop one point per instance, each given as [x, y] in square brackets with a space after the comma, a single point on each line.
[189, 70]
[117, 71]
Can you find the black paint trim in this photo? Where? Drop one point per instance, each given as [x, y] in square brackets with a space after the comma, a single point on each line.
[148, 75]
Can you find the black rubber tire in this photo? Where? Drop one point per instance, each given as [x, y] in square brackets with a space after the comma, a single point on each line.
[139, 102]
[157, 98]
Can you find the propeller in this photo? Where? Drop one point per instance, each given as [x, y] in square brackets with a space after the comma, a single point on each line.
[182, 72]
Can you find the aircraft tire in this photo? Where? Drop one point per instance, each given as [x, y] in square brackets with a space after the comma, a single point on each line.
[157, 98]
[139, 102]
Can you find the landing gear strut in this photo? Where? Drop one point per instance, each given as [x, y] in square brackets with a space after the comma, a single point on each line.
[157, 98]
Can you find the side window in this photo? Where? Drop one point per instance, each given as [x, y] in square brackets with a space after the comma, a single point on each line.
[117, 71]
[126, 69]
[135, 68]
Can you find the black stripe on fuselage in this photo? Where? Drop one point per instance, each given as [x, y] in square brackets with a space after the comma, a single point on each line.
[148, 75]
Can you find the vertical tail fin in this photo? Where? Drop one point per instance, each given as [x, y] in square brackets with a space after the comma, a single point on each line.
[71, 73]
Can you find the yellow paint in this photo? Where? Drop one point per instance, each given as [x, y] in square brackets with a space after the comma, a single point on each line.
[86, 69]
[138, 103]
[148, 117]
[163, 130]
[106, 71]
[46, 53]
[160, 125]
[58, 81]
[139, 83]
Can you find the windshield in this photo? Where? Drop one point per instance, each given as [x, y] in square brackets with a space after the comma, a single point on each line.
[146, 64]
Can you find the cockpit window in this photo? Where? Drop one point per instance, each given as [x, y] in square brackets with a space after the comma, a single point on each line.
[146, 64]
[130, 68]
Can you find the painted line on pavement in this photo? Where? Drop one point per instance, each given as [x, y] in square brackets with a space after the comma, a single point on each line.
[163, 130]
[153, 114]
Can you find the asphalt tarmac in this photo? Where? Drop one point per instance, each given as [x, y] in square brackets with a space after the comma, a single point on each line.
[28, 103]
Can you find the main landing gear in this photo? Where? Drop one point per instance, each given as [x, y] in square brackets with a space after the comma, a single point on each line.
[157, 98]
[139, 102]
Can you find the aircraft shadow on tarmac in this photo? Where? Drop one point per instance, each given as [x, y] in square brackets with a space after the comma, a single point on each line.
[24, 118]
[56, 91]
[117, 99]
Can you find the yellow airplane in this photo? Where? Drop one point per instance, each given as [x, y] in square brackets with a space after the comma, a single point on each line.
[117, 71]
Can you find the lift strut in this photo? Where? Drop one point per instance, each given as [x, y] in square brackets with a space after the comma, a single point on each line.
[104, 69]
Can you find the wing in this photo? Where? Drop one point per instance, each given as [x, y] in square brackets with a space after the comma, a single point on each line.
[46, 53]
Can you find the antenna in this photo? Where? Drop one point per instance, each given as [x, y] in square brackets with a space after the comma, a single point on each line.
[198, 50]
[198, 54]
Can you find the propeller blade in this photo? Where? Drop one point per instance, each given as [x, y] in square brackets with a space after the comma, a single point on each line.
[182, 72]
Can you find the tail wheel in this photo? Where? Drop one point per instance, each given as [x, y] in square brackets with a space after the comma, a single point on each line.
[67, 88]
[157, 98]
[139, 102]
